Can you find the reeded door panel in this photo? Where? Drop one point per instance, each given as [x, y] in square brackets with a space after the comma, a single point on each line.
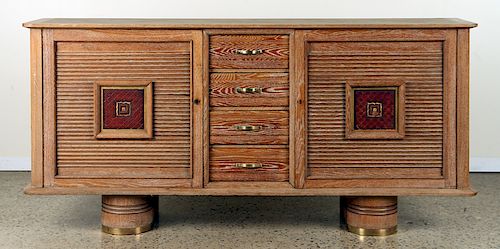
[378, 108]
[123, 108]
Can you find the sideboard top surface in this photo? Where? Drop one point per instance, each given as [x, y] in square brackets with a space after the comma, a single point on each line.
[249, 23]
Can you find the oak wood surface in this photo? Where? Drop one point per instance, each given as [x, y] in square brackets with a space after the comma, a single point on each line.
[199, 92]
[249, 23]
[273, 89]
[206, 107]
[223, 162]
[127, 212]
[272, 127]
[86, 56]
[301, 109]
[462, 158]
[450, 108]
[36, 91]
[49, 108]
[241, 189]
[414, 56]
[224, 49]
[398, 86]
[375, 212]
[146, 132]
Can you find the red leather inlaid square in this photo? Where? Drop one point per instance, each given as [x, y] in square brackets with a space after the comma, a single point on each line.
[123, 108]
[374, 109]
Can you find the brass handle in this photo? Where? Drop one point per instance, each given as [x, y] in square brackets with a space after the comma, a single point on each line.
[248, 165]
[248, 89]
[249, 51]
[248, 127]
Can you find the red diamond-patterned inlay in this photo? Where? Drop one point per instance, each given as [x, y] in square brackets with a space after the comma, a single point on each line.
[114, 118]
[368, 104]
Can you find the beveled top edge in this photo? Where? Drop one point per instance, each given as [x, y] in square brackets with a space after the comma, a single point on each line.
[248, 23]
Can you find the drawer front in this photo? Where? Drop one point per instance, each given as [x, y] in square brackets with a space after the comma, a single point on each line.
[249, 51]
[249, 89]
[249, 127]
[248, 164]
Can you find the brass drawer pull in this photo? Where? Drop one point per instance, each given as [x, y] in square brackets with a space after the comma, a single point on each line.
[248, 90]
[249, 51]
[248, 165]
[248, 127]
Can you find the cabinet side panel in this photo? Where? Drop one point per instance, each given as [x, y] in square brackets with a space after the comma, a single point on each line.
[463, 109]
[36, 108]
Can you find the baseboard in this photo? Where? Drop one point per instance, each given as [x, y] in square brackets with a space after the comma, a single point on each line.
[484, 164]
[15, 163]
[477, 164]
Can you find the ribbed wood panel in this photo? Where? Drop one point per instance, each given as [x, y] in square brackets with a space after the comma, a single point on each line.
[79, 65]
[418, 64]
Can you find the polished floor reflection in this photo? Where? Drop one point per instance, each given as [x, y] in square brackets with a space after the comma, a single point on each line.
[248, 222]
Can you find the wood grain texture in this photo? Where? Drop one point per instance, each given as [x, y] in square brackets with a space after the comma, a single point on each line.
[36, 107]
[127, 212]
[373, 173]
[249, 23]
[298, 109]
[146, 132]
[450, 109]
[166, 63]
[376, 183]
[274, 89]
[223, 51]
[302, 73]
[124, 172]
[376, 212]
[291, 103]
[274, 164]
[127, 183]
[396, 85]
[273, 127]
[462, 158]
[242, 189]
[206, 107]
[418, 64]
[199, 93]
[49, 108]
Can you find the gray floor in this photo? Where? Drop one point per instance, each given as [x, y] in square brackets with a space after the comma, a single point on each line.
[248, 222]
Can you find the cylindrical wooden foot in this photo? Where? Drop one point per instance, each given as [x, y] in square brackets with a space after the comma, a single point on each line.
[124, 215]
[372, 216]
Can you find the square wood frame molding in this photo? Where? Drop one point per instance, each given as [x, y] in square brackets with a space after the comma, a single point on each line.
[397, 133]
[101, 132]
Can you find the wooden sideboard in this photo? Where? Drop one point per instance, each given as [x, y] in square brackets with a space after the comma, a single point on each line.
[364, 109]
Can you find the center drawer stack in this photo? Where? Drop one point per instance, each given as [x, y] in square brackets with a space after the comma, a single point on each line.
[249, 96]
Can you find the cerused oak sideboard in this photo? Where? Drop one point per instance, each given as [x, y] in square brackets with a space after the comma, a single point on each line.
[365, 109]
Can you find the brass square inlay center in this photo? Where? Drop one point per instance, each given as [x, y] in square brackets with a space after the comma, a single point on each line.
[374, 110]
[123, 108]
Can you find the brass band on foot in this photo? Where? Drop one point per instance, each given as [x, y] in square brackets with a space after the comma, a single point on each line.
[372, 232]
[126, 231]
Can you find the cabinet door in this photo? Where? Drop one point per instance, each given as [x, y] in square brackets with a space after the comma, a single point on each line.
[122, 108]
[376, 108]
